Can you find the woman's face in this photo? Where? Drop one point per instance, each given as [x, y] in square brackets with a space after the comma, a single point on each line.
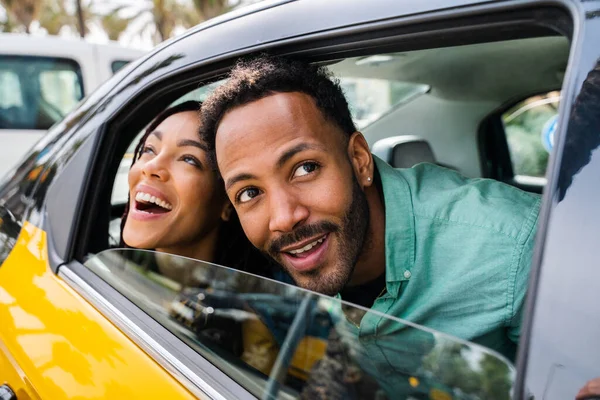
[175, 199]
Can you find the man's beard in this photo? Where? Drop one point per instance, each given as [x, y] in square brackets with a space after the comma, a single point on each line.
[351, 234]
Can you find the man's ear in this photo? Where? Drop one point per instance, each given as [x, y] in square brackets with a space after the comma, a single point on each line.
[361, 159]
[227, 210]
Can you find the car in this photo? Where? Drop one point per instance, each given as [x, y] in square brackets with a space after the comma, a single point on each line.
[42, 79]
[505, 90]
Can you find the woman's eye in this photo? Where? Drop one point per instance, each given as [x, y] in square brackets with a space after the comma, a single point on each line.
[248, 194]
[191, 160]
[306, 168]
[147, 150]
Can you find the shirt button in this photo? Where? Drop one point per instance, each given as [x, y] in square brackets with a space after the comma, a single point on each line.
[407, 274]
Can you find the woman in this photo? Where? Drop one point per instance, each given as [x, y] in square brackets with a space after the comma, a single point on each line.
[177, 204]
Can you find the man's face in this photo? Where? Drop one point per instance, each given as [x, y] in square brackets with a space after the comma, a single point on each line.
[289, 175]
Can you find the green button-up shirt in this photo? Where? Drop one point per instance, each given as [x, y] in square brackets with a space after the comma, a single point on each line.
[458, 254]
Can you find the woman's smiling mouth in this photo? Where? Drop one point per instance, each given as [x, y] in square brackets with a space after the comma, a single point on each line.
[147, 201]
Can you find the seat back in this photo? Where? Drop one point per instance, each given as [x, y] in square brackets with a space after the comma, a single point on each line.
[403, 151]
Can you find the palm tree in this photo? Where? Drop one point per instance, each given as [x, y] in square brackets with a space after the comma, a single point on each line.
[211, 8]
[113, 24]
[161, 17]
[8, 24]
[24, 12]
[54, 16]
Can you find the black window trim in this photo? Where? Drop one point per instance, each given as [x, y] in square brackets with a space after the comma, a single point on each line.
[284, 47]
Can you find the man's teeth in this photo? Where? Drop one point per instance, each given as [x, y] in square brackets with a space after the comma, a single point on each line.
[148, 198]
[307, 247]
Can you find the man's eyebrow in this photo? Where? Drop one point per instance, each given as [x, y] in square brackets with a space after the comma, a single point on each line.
[295, 150]
[193, 143]
[237, 178]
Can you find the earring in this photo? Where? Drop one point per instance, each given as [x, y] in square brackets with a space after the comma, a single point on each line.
[369, 179]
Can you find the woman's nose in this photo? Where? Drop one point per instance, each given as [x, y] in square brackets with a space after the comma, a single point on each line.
[156, 168]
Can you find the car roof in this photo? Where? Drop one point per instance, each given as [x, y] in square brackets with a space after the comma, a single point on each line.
[19, 43]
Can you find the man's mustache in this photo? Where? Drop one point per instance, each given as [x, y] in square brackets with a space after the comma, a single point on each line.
[301, 233]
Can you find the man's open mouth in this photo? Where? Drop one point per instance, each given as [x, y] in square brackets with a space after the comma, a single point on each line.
[307, 249]
[308, 255]
[151, 204]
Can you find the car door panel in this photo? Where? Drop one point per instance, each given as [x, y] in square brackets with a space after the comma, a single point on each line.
[56, 341]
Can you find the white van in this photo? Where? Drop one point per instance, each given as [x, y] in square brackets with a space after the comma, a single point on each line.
[42, 79]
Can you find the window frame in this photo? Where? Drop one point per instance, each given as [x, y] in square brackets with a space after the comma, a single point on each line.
[319, 46]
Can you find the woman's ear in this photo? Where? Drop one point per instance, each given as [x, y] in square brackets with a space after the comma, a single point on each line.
[227, 210]
[362, 159]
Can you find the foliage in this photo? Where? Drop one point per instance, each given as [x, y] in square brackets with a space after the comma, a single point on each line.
[524, 124]
[158, 18]
[22, 12]
[475, 375]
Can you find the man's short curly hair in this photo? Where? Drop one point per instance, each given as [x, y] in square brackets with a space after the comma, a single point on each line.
[257, 78]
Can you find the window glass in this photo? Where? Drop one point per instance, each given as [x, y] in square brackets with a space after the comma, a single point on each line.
[279, 341]
[530, 127]
[36, 92]
[369, 98]
[117, 65]
[373, 85]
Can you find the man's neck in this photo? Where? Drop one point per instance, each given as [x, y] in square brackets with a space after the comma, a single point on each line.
[371, 263]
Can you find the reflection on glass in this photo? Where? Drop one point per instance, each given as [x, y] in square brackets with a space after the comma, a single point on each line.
[279, 341]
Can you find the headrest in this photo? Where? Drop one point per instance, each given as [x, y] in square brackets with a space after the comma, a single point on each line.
[403, 151]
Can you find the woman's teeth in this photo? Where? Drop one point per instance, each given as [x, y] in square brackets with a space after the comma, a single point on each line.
[307, 247]
[148, 198]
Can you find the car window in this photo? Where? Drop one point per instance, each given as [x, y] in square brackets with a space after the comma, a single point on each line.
[36, 92]
[117, 65]
[530, 126]
[279, 341]
[369, 99]
[370, 94]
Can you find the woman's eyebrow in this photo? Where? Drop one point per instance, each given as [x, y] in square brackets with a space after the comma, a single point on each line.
[158, 134]
[193, 143]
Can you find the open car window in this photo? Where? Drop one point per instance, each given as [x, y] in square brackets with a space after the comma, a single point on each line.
[280, 341]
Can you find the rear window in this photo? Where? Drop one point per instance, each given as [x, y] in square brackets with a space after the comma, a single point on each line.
[530, 126]
[36, 92]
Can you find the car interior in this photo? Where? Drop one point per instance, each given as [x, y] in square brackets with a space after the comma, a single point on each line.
[480, 108]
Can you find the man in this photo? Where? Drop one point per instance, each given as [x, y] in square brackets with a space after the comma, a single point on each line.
[423, 244]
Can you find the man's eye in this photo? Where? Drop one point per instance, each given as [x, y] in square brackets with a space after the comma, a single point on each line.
[248, 194]
[306, 168]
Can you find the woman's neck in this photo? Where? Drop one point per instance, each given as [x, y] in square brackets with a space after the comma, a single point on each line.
[204, 249]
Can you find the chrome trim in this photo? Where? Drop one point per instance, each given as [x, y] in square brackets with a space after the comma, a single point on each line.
[192, 382]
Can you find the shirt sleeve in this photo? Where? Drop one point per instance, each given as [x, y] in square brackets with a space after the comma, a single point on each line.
[522, 268]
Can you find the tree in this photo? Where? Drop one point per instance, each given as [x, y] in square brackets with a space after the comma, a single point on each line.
[54, 16]
[160, 17]
[113, 24]
[8, 24]
[212, 8]
[24, 12]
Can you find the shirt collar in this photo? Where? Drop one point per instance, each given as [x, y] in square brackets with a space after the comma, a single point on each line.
[399, 226]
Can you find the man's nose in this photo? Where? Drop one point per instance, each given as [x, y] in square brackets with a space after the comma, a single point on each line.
[286, 211]
[156, 168]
